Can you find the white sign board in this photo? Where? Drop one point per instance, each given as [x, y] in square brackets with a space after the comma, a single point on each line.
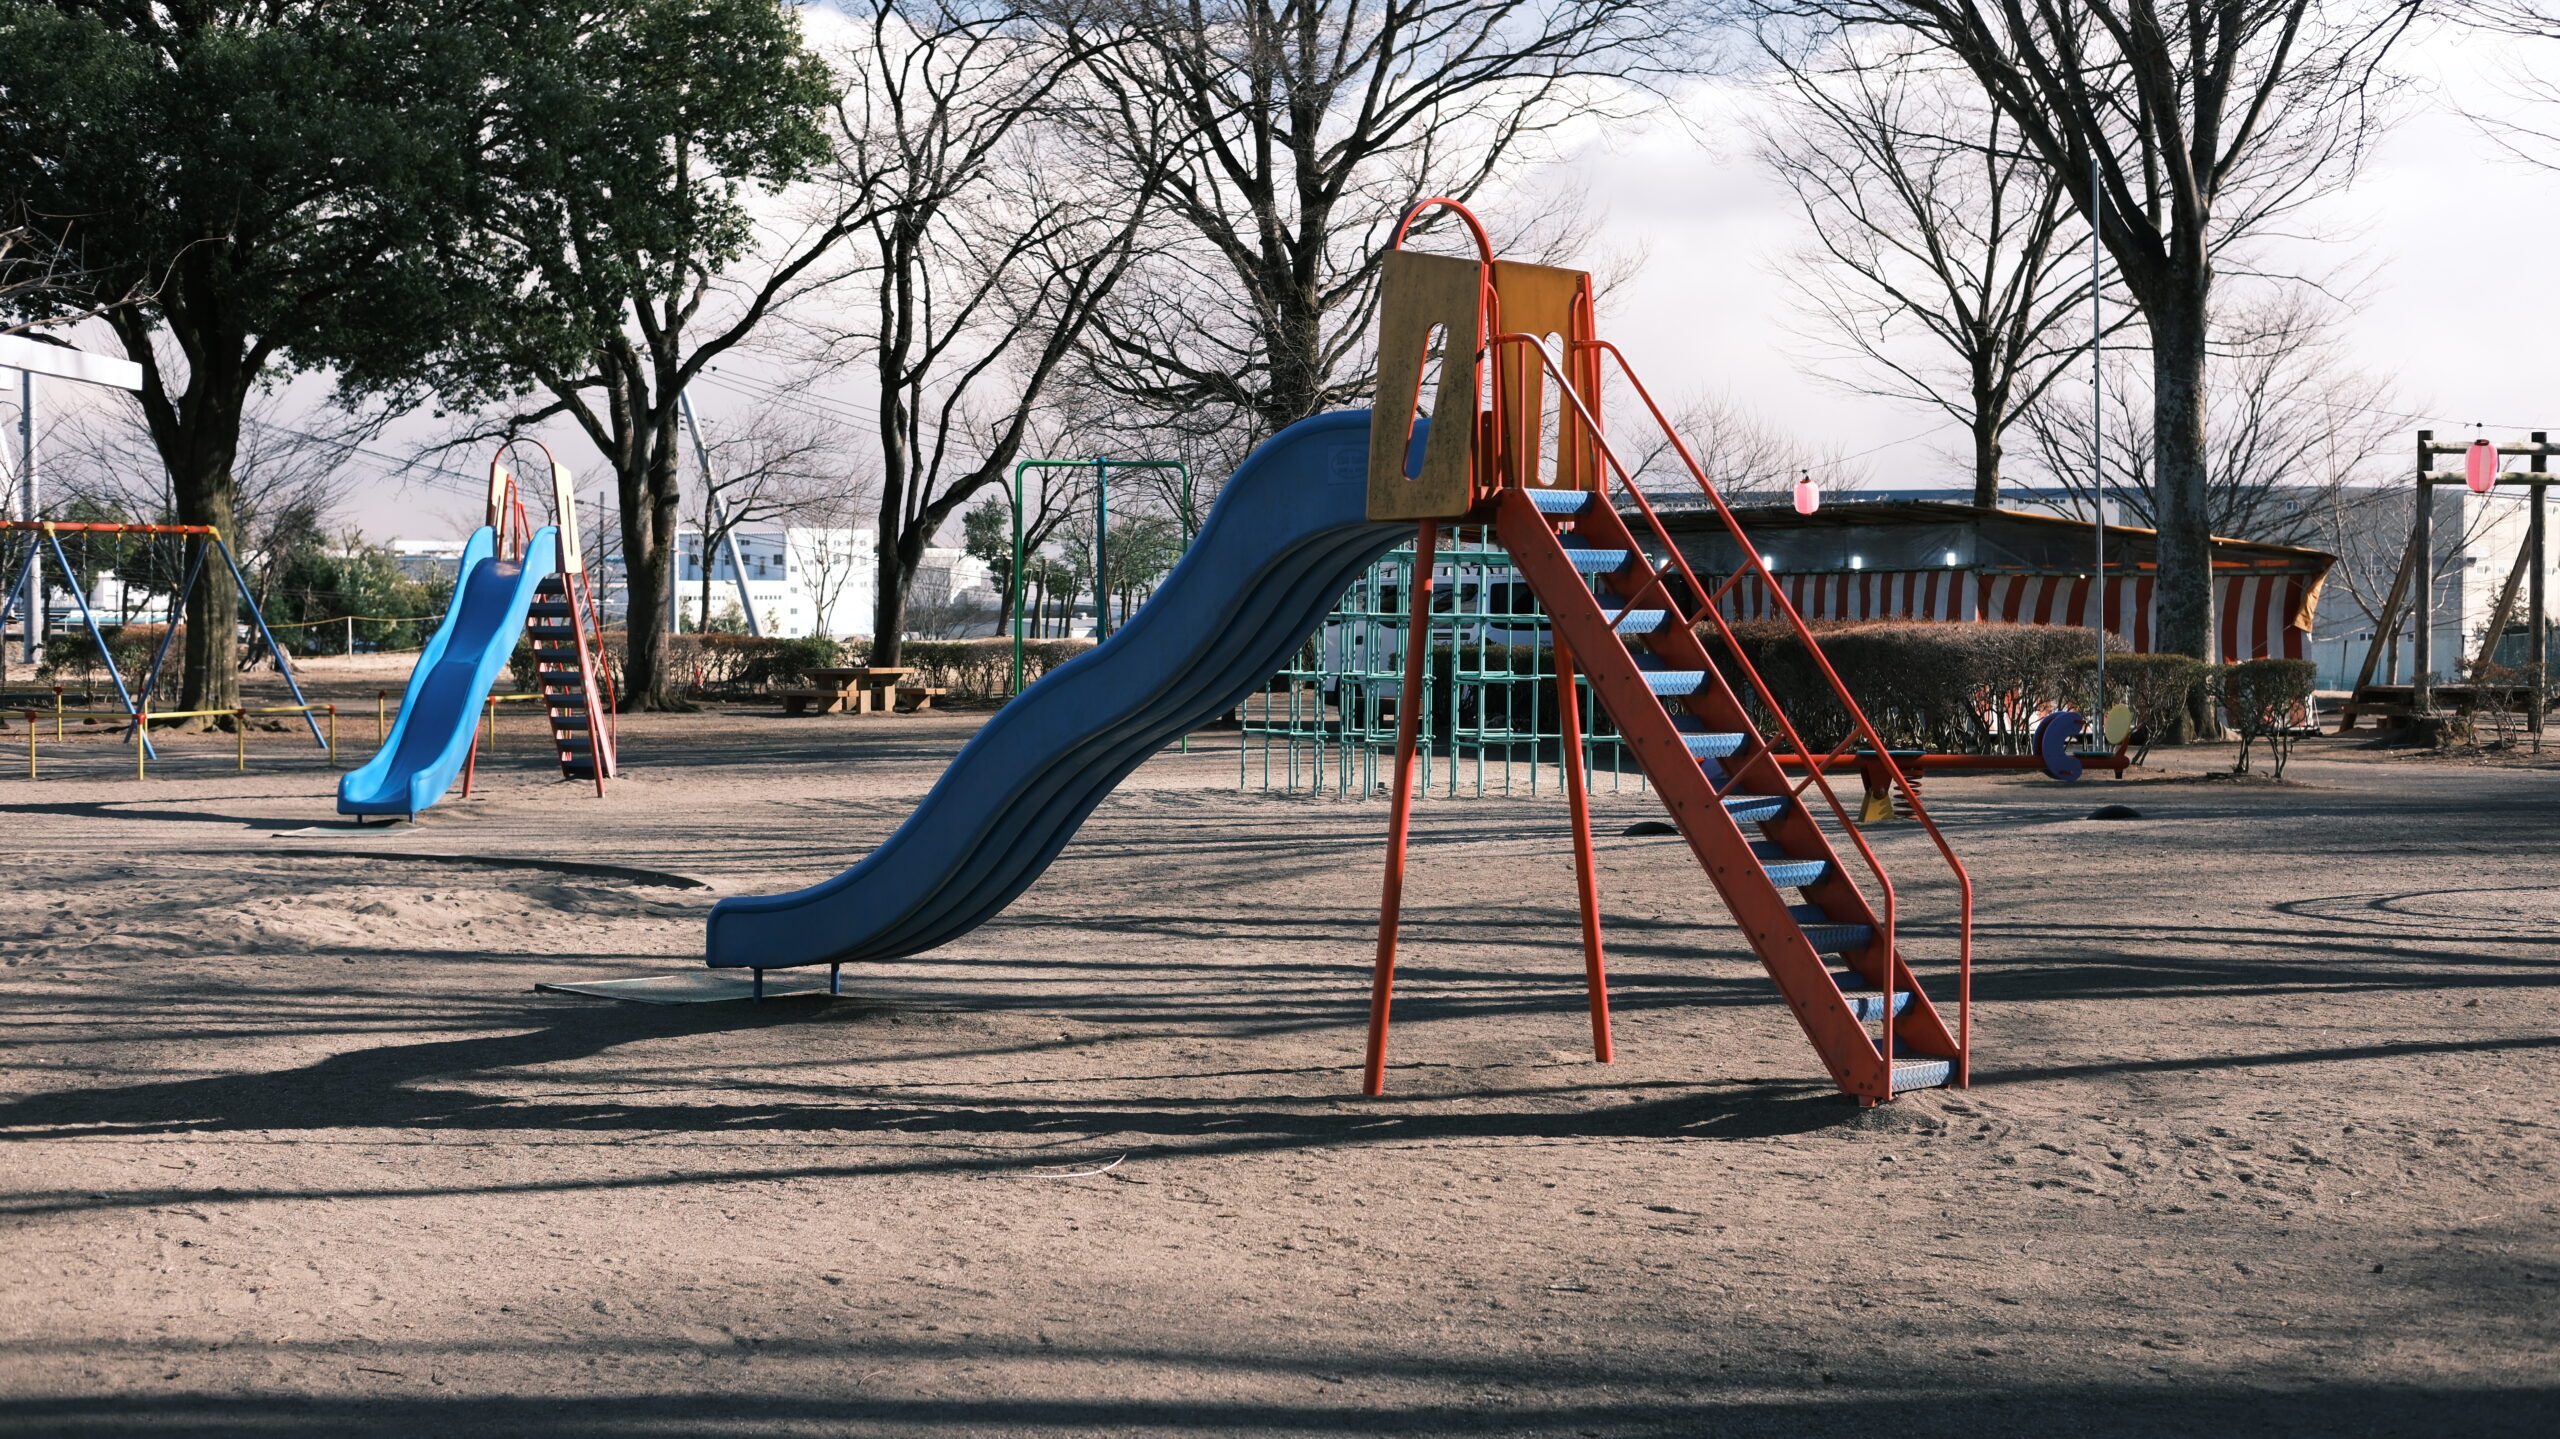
[17, 352]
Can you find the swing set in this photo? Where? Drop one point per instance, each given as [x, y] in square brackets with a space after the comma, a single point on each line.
[199, 542]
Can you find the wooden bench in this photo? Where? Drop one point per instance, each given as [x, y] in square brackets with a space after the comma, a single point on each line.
[912, 698]
[852, 689]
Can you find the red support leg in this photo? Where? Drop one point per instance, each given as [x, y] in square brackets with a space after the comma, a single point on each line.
[1408, 730]
[1595, 968]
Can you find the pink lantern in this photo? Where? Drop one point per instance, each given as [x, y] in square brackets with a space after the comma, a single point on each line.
[2480, 467]
[1808, 499]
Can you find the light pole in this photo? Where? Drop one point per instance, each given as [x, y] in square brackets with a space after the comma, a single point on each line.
[2097, 432]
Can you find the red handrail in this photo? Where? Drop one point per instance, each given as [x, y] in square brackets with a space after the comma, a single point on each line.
[1857, 715]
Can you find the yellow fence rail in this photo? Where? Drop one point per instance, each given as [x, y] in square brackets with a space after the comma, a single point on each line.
[243, 714]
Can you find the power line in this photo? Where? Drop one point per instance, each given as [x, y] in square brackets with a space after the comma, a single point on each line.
[394, 466]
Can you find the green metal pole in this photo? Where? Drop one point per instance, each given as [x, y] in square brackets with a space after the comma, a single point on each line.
[1101, 549]
[1016, 586]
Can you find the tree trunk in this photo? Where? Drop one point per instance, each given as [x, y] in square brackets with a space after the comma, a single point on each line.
[1987, 453]
[197, 435]
[1297, 350]
[898, 564]
[649, 517]
[205, 490]
[2185, 587]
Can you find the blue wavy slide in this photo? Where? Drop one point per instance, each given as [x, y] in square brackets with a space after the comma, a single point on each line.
[428, 744]
[1287, 537]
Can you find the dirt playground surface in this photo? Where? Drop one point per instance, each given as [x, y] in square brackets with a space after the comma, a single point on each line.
[2261, 1139]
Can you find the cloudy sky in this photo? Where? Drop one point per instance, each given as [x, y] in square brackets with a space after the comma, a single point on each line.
[2457, 239]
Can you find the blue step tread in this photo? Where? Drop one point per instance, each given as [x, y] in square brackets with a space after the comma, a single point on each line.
[1785, 869]
[1634, 622]
[1838, 938]
[1590, 559]
[1922, 1073]
[1712, 745]
[1866, 1002]
[1560, 502]
[1673, 683]
[1753, 808]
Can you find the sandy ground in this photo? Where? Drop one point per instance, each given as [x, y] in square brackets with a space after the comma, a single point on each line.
[2260, 1139]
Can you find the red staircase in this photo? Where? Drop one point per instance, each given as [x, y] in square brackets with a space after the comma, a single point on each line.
[1776, 848]
[567, 634]
[577, 692]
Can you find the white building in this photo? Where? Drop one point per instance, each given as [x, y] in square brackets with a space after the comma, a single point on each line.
[810, 581]
[803, 581]
[428, 559]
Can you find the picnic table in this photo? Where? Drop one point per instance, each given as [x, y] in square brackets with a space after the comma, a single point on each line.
[860, 689]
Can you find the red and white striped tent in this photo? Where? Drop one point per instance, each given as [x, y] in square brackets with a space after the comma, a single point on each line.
[1925, 560]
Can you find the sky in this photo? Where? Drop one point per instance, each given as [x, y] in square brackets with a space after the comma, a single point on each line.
[2454, 237]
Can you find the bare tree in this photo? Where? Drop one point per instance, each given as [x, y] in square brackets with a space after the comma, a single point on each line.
[981, 259]
[2295, 428]
[2200, 118]
[287, 482]
[1942, 273]
[779, 466]
[1750, 460]
[47, 284]
[1291, 134]
[653, 217]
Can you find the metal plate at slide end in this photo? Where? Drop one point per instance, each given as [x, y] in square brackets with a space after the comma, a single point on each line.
[701, 986]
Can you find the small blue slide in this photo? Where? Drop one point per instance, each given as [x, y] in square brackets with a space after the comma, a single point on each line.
[1288, 536]
[441, 710]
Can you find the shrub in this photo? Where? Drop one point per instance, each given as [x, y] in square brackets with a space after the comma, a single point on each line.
[2267, 699]
[1955, 686]
[727, 663]
[980, 669]
[2157, 688]
[70, 658]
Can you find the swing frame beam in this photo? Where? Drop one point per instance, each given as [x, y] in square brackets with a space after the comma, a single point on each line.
[50, 533]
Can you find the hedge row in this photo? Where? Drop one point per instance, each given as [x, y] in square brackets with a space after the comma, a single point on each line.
[70, 659]
[741, 666]
[1957, 688]
[1978, 688]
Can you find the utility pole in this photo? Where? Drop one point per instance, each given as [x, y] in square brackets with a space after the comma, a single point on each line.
[31, 358]
[711, 516]
[32, 500]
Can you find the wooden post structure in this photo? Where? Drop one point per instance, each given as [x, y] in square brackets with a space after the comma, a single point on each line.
[2538, 637]
[2499, 615]
[2422, 699]
[2417, 572]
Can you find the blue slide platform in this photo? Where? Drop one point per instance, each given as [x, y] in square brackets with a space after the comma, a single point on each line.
[428, 744]
[1288, 536]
